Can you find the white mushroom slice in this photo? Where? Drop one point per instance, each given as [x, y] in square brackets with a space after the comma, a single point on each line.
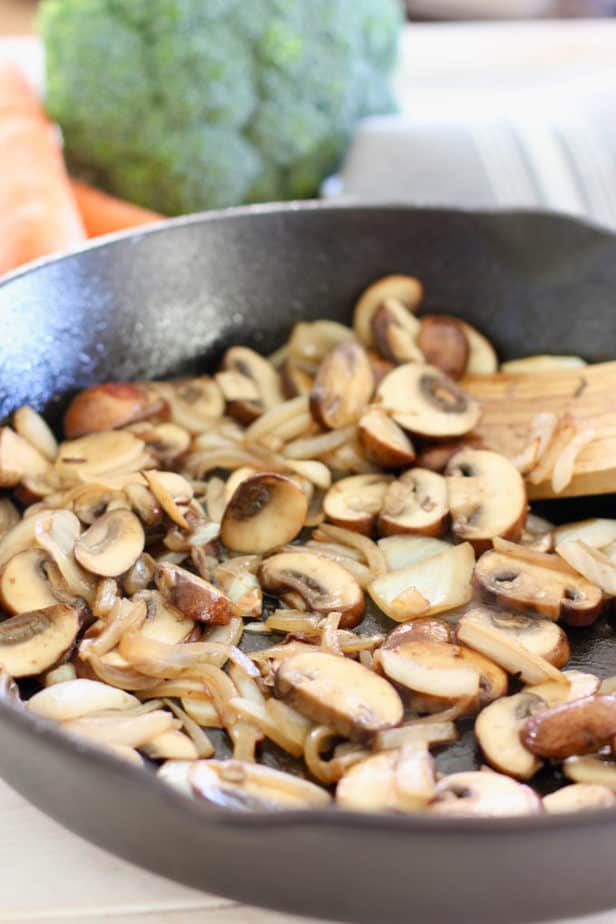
[163, 622]
[165, 441]
[176, 774]
[265, 510]
[498, 727]
[591, 563]
[596, 533]
[99, 454]
[477, 630]
[258, 370]
[518, 583]
[406, 290]
[395, 331]
[541, 363]
[339, 693]
[24, 584]
[33, 428]
[443, 341]
[311, 341]
[579, 797]
[482, 358]
[355, 502]
[75, 698]
[112, 544]
[383, 441]
[193, 403]
[431, 586]
[435, 668]
[598, 771]
[402, 780]
[31, 643]
[173, 492]
[416, 503]
[191, 595]
[483, 794]
[402, 551]
[540, 636]
[18, 459]
[487, 497]
[424, 401]
[239, 784]
[323, 585]
[107, 406]
[343, 386]
[579, 684]
[170, 745]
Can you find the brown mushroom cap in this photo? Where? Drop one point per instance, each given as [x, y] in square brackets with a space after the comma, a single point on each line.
[31, 643]
[483, 794]
[424, 401]
[516, 583]
[343, 386]
[323, 584]
[443, 341]
[265, 510]
[339, 693]
[383, 441]
[395, 331]
[540, 636]
[191, 595]
[497, 729]
[487, 497]
[404, 289]
[416, 503]
[112, 544]
[107, 407]
[577, 728]
[24, 585]
[355, 502]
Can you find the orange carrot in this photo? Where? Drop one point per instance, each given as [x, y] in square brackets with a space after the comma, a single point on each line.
[38, 213]
[102, 213]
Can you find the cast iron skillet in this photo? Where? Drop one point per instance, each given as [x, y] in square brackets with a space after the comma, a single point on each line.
[170, 300]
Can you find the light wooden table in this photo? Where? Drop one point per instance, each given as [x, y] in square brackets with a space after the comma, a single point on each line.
[49, 875]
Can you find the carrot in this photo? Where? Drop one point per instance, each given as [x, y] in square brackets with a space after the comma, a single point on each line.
[38, 213]
[102, 213]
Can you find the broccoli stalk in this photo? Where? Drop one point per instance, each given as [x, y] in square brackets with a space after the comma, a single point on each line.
[181, 105]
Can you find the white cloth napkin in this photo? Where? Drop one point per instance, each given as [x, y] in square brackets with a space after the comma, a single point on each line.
[496, 115]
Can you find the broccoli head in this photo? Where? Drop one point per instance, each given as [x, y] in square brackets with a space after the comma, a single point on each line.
[181, 105]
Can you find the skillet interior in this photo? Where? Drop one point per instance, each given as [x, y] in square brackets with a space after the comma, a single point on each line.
[170, 300]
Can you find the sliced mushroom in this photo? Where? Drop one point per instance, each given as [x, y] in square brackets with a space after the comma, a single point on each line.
[258, 370]
[75, 698]
[513, 582]
[167, 442]
[343, 386]
[295, 381]
[107, 407]
[579, 797]
[482, 358]
[323, 585]
[99, 454]
[241, 586]
[193, 403]
[424, 401]
[416, 503]
[425, 629]
[163, 622]
[265, 510]
[599, 771]
[24, 585]
[311, 341]
[33, 428]
[241, 394]
[577, 728]
[191, 595]
[434, 668]
[475, 792]
[498, 727]
[510, 647]
[339, 693]
[173, 492]
[380, 366]
[401, 780]
[487, 497]
[536, 634]
[355, 502]
[242, 785]
[24, 534]
[383, 441]
[31, 643]
[436, 457]
[406, 290]
[112, 544]
[395, 331]
[443, 341]
[401, 551]
[579, 684]
[431, 586]
[18, 459]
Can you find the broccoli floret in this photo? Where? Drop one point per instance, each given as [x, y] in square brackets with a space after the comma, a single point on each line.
[183, 105]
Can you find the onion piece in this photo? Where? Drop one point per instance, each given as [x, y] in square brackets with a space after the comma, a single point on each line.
[590, 563]
[564, 465]
[369, 549]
